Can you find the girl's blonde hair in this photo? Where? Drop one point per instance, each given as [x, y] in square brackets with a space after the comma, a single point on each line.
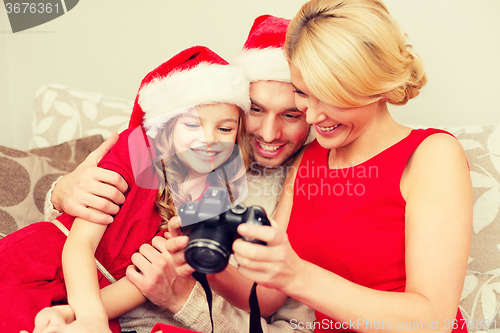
[174, 171]
[352, 53]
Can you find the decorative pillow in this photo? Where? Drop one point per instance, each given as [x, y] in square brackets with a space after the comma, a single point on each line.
[480, 301]
[482, 148]
[63, 114]
[26, 177]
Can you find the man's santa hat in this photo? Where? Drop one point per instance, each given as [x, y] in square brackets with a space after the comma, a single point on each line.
[193, 77]
[262, 56]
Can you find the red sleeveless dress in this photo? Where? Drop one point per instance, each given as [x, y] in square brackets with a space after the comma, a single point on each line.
[352, 221]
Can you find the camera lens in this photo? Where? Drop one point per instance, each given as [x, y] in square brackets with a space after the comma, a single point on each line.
[208, 249]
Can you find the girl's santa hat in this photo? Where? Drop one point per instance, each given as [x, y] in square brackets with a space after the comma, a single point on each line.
[193, 77]
[262, 56]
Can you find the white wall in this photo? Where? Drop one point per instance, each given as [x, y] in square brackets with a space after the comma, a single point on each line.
[108, 46]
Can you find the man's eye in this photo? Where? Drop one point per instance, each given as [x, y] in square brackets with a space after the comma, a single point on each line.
[291, 116]
[255, 110]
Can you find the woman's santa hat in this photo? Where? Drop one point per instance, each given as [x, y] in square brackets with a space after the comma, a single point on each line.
[193, 77]
[262, 56]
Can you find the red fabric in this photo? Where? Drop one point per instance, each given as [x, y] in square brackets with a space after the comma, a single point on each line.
[267, 32]
[169, 329]
[352, 221]
[31, 275]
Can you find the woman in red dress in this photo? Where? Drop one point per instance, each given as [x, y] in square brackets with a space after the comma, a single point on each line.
[378, 216]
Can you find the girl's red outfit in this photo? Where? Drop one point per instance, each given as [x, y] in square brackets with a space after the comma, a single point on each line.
[351, 222]
[31, 276]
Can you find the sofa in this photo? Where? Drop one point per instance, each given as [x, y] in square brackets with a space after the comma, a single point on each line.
[68, 124]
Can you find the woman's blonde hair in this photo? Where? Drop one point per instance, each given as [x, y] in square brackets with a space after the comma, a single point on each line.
[352, 53]
[174, 171]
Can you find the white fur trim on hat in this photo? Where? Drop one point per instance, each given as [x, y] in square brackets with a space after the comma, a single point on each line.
[267, 64]
[156, 124]
[204, 84]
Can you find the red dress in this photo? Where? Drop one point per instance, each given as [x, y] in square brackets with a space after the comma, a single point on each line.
[31, 276]
[352, 221]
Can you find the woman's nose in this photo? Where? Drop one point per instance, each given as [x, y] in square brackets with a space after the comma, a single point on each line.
[314, 113]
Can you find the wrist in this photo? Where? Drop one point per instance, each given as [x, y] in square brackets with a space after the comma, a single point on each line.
[182, 296]
[66, 311]
[298, 279]
[53, 196]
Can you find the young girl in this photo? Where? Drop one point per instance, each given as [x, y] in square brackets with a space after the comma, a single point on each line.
[193, 108]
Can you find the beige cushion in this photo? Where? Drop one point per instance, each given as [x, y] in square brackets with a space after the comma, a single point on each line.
[63, 114]
[482, 147]
[480, 300]
[25, 178]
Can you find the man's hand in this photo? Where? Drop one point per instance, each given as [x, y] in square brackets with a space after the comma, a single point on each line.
[90, 192]
[157, 278]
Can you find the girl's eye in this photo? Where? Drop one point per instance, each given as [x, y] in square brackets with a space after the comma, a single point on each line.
[192, 125]
[225, 130]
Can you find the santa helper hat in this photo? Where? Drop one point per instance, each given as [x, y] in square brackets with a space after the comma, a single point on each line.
[193, 77]
[262, 56]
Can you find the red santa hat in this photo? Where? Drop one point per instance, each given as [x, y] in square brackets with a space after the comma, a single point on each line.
[193, 77]
[262, 56]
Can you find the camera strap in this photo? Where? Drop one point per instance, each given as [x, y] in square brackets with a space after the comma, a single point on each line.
[202, 279]
[255, 324]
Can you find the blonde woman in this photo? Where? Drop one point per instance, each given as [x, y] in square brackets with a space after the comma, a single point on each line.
[378, 215]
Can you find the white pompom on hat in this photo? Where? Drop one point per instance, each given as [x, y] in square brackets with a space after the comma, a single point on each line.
[195, 76]
[262, 56]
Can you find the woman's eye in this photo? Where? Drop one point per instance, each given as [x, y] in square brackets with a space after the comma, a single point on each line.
[300, 93]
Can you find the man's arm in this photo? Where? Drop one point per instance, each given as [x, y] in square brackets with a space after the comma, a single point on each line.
[87, 187]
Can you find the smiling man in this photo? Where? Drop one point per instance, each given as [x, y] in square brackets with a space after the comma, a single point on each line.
[276, 129]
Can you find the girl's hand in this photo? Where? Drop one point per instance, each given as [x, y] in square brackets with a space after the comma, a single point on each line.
[175, 244]
[49, 320]
[78, 326]
[273, 265]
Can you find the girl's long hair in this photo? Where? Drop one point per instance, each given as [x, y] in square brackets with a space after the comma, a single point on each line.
[174, 171]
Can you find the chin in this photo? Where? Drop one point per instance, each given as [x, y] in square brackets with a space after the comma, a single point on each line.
[264, 162]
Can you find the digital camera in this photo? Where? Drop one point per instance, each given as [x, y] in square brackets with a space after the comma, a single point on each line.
[211, 225]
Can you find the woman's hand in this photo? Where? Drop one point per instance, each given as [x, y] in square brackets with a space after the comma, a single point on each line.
[273, 265]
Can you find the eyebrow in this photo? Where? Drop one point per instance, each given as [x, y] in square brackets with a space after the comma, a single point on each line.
[263, 107]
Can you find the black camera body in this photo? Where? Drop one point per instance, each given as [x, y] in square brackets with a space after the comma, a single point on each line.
[211, 225]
